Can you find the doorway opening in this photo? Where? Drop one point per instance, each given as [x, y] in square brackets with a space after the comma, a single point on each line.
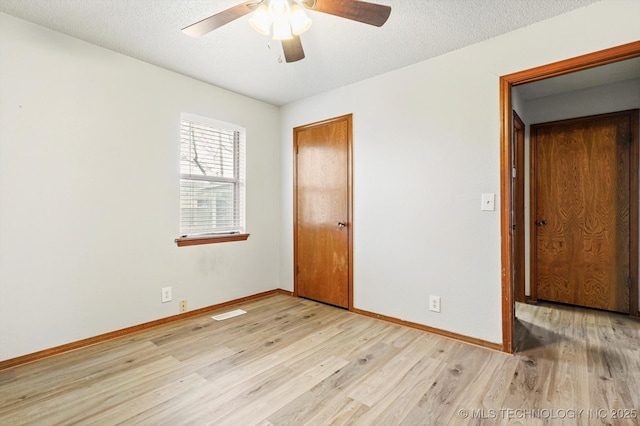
[510, 261]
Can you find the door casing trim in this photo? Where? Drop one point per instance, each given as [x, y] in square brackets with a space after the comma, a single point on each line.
[602, 57]
[349, 228]
[518, 216]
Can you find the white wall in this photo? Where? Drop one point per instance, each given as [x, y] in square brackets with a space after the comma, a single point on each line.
[426, 145]
[620, 96]
[89, 183]
[89, 192]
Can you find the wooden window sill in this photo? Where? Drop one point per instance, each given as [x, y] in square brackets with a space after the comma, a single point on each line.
[210, 239]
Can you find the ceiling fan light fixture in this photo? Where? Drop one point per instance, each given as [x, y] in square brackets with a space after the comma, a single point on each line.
[300, 22]
[260, 20]
[279, 10]
[280, 19]
[282, 31]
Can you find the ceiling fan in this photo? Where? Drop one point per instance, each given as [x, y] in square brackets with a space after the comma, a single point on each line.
[286, 20]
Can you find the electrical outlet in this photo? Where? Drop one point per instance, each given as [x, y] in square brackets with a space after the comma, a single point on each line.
[166, 294]
[183, 306]
[434, 303]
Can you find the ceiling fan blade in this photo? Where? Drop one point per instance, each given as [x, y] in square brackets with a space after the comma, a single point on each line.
[361, 11]
[292, 49]
[219, 19]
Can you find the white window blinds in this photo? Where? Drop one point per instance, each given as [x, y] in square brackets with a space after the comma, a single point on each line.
[212, 175]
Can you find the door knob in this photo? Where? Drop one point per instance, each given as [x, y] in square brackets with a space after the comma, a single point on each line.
[542, 222]
[341, 225]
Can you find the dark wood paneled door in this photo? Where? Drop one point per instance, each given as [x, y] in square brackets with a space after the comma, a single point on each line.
[323, 220]
[581, 211]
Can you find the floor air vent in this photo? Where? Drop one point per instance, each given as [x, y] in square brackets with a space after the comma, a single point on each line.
[229, 314]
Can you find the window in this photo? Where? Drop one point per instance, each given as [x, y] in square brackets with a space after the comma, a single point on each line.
[212, 178]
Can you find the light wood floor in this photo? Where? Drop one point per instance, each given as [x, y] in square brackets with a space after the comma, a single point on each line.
[294, 361]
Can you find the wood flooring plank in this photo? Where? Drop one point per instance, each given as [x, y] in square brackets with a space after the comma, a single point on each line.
[233, 390]
[220, 405]
[283, 395]
[399, 401]
[448, 388]
[485, 393]
[47, 384]
[261, 361]
[81, 400]
[293, 361]
[7, 377]
[499, 382]
[330, 390]
[130, 405]
[259, 316]
[377, 385]
[209, 402]
[363, 342]
[347, 416]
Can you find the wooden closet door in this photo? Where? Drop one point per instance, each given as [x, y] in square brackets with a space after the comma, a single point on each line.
[581, 220]
[323, 211]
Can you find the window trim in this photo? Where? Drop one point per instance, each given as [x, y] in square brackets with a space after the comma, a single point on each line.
[221, 237]
[210, 239]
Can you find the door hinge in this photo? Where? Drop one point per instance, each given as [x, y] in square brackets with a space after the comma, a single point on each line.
[513, 172]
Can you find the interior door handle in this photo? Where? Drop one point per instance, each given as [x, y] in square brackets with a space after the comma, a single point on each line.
[542, 222]
[341, 225]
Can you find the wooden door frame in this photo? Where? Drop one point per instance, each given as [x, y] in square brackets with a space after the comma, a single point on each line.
[517, 210]
[349, 227]
[633, 199]
[507, 82]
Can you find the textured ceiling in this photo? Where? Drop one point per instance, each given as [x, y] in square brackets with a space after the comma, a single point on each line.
[235, 57]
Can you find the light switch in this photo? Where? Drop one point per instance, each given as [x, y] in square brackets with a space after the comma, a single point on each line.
[488, 202]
